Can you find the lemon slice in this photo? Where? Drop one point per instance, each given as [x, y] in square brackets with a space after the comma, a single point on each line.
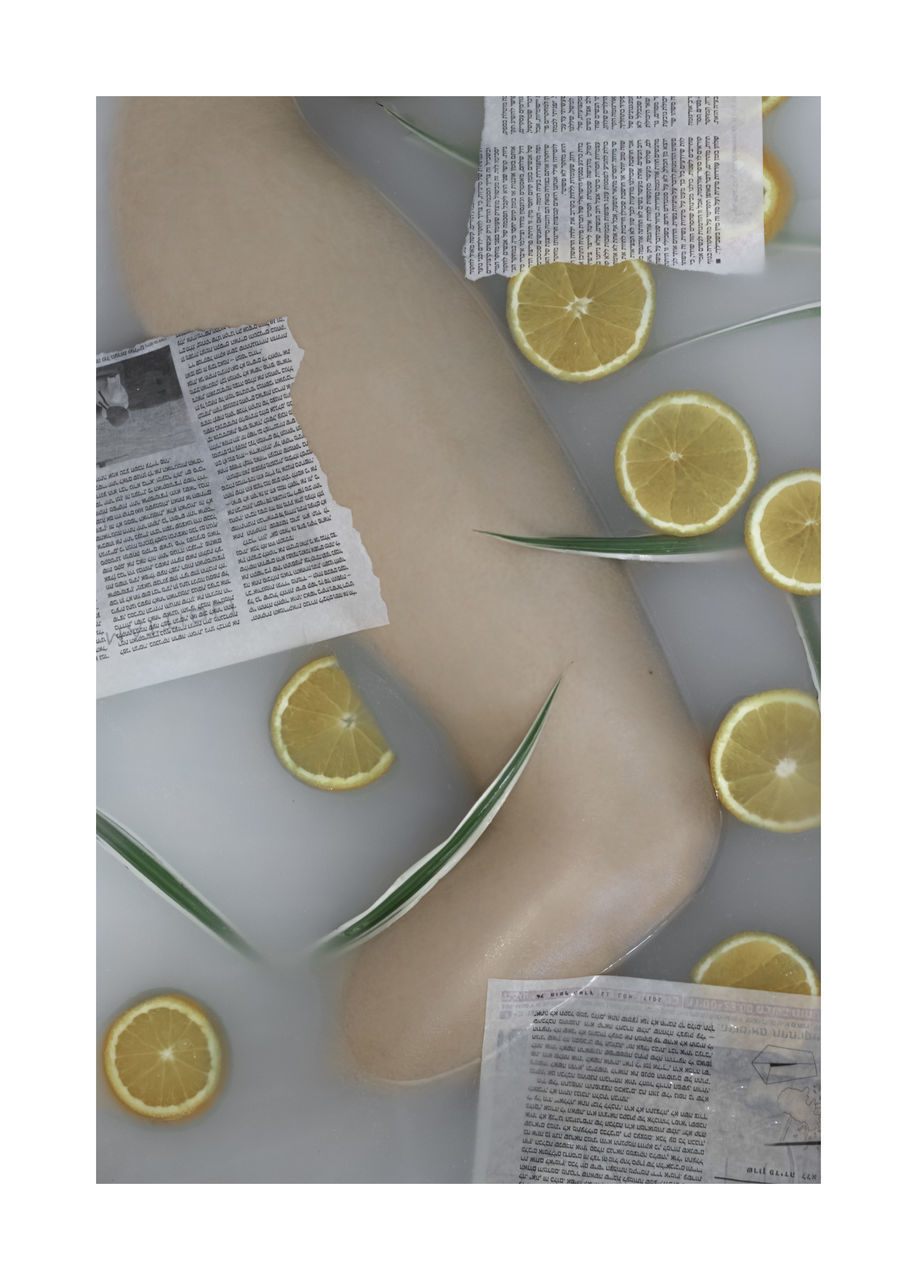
[685, 463]
[778, 195]
[770, 104]
[761, 961]
[324, 733]
[783, 532]
[580, 323]
[162, 1058]
[765, 760]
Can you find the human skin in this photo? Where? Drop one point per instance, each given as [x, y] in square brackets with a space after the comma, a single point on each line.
[229, 211]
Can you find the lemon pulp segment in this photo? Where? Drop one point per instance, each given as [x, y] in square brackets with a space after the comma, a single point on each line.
[783, 532]
[685, 462]
[758, 961]
[162, 1058]
[324, 733]
[579, 323]
[765, 760]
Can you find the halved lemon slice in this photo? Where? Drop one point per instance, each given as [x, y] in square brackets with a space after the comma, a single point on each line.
[769, 104]
[324, 733]
[778, 194]
[783, 532]
[760, 961]
[765, 760]
[163, 1059]
[685, 463]
[580, 323]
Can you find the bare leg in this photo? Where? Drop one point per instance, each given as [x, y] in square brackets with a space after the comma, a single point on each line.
[231, 212]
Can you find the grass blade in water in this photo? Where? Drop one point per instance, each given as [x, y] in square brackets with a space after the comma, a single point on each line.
[455, 153]
[772, 317]
[803, 610]
[420, 878]
[789, 313]
[161, 878]
[648, 547]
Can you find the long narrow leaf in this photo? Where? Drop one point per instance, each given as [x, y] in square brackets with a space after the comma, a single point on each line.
[420, 878]
[807, 625]
[161, 878]
[647, 547]
[467, 158]
[787, 313]
[455, 153]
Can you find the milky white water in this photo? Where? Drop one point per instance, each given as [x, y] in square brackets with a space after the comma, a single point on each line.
[260, 845]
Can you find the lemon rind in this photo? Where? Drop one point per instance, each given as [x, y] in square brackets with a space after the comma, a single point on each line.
[720, 784]
[756, 548]
[771, 103]
[192, 1106]
[600, 371]
[324, 782]
[725, 512]
[755, 935]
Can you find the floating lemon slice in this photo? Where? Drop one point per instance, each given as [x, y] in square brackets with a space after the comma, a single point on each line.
[778, 195]
[770, 104]
[783, 532]
[324, 733]
[580, 323]
[765, 761]
[163, 1059]
[761, 961]
[685, 462]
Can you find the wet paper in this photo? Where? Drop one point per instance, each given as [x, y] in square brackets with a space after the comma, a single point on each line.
[674, 181]
[217, 538]
[609, 1079]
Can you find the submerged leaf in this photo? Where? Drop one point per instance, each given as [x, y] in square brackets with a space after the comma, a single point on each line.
[803, 611]
[456, 153]
[771, 317]
[647, 547]
[159, 875]
[420, 878]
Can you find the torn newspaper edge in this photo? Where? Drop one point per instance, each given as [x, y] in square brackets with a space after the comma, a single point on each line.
[674, 181]
[609, 1079]
[217, 536]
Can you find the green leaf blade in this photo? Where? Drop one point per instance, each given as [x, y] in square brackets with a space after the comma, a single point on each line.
[807, 625]
[645, 547]
[162, 878]
[420, 878]
[797, 312]
[455, 153]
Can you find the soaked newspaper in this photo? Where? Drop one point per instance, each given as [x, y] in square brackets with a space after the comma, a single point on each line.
[674, 181]
[609, 1079]
[217, 538]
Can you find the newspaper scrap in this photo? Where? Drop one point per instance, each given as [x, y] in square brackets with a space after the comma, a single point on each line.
[673, 181]
[611, 1079]
[217, 537]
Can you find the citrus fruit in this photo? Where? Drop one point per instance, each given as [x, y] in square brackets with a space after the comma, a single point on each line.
[685, 463]
[162, 1058]
[778, 195]
[324, 733]
[769, 104]
[580, 323]
[765, 760]
[783, 532]
[761, 961]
